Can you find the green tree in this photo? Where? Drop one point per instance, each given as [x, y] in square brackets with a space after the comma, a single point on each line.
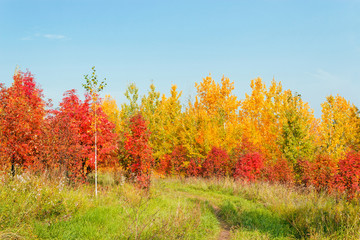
[132, 95]
[150, 110]
[296, 141]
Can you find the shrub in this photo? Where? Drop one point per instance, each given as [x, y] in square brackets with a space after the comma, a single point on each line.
[242, 149]
[179, 160]
[165, 165]
[248, 166]
[216, 163]
[280, 171]
[194, 168]
[304, 172]
[348, 175]
[323, 172]
[178, 163]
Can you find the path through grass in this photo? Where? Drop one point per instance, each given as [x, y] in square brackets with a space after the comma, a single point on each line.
[238, 217]
[37, 208]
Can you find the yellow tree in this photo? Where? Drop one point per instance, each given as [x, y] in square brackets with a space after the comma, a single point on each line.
[277, 122]
[192, 138]
[150, 111]
[128, 109]
[356, 117]
[339, 126]
[111, 109]
[251, 112]
[211, 119]
[260, 117]
[150, 103]
[217, 99]
[169, 125]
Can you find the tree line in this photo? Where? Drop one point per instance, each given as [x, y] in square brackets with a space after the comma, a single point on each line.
[271, 134]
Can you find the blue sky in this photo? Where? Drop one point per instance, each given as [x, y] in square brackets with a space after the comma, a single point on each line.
[312, 47]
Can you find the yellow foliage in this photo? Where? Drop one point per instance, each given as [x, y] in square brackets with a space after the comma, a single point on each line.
[212, 119]
[339, 126]
[164, 118]
[259, 116]
[110, 108]
[262, 116]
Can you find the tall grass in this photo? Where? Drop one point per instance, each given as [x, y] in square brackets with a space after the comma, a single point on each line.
[38, 207]
[47, 207]
[25, 199]
[311, 214]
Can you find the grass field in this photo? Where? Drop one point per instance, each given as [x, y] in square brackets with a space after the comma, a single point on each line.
[39, 208]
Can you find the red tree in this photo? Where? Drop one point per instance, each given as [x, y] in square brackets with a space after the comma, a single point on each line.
[138, 157]
[22, 111]
[73, 126]
[61, 149]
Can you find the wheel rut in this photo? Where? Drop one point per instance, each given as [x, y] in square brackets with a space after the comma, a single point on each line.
[224, 226]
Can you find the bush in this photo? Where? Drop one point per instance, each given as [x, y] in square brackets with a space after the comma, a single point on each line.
[348, 175]
[248, 166]
[178, 163]
[179, 160]
[303, 172]
[216, 163]
[165, 165]
[323, 173]
[280, 171]
[194, 168]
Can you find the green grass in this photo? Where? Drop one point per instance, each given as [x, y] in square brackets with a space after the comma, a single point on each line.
[38, 208]
[244, 217]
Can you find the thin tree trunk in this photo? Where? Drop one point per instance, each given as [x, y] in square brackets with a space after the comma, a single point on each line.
[95, 155]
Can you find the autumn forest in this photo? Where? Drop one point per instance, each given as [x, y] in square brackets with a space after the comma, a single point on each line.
[220, 166]
[269, 135]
